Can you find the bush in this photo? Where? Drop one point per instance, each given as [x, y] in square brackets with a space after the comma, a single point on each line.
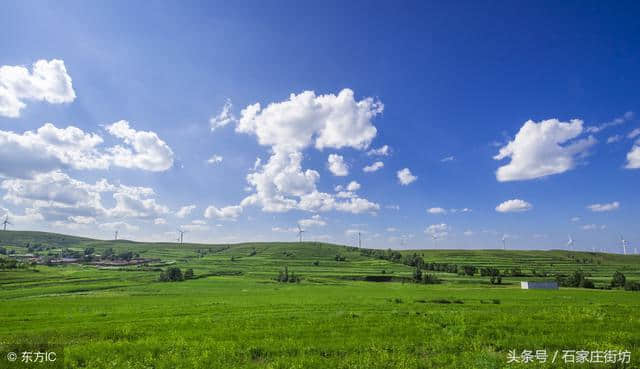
[430, 279]
[340, 258]
[172, 274]
[587, 283]
[316, 263]
[469, 270]
[417, 275]
[632, 286]
[284, 276]
[618, 280]
[495, 279]
[188, 274]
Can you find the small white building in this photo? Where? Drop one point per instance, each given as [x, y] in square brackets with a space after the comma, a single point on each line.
[542, 285]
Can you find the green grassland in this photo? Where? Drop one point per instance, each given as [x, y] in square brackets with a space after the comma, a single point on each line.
[235, 315]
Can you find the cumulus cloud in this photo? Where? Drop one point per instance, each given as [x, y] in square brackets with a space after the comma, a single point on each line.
[50, 148]
[326, 121]
[289, 127]
[542, 149]
[633, 157]
[113, 226]
[633, 134]
[373, 167]
[514, 206]
[47, 81]
[225, 213]
[604, 207]
[58, 197]
[353, 186]
[315, 220]
[405, 177]
[185, 211]
[593, 227]
[146, 150]
[159, 221]
[436, 211]
[225, 117]
[382, 151]
[337, 166]
[448, 158]
[438, 230]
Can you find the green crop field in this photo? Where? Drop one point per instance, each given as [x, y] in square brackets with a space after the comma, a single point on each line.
[234, 314]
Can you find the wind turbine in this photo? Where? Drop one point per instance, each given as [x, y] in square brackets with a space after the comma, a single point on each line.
[4, 224]
[435, 241]
[181, 235]
[624, 244]
[359, 240]
[504, 241]
[570, 243]
[300, 232]
[116, 235]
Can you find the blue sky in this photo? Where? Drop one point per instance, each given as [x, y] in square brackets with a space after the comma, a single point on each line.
[141, 83]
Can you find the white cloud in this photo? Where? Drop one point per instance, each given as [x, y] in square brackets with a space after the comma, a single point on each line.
[593, 227]
[185, 211]
[315, 220]
[633, 157]
[284, 230]
[373, 167]
[438, 230]
[382, 151]
[393, 207]
[50, 148]
[391, 229]
[515, 205]
[575, 219]
[327, 121]
[289, 127]
[48, 81]
[613, 139]
[468, 233]
[633, 134]
[225, 213]
[149, 151]
[604, 207]
[215, 159]
[113, 226]
[225, 117]
[196, 225]
[448, 158]
[405, 177]
[542, 149]
[79, 219]
[616, 122]
[353, 186]
[337, 166]
[436, 211]
[159, 221]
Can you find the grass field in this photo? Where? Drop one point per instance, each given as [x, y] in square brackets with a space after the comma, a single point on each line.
[235, 315]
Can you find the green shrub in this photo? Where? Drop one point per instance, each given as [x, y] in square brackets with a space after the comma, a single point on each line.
[172, 274]
[618, 280]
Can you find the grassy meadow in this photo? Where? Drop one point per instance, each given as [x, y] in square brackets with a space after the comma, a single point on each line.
[234, 314]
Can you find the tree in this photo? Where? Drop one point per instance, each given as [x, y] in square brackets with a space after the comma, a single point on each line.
[619, 280]
[188, 274]
[172, 274]
[417, 274]
[469, 270]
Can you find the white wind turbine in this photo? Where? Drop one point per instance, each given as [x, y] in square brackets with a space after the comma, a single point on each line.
[435, 241]
[181, 238]
[300, 232]
[624, 244]
[5, 223]
[570, 243]
[504, 241]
